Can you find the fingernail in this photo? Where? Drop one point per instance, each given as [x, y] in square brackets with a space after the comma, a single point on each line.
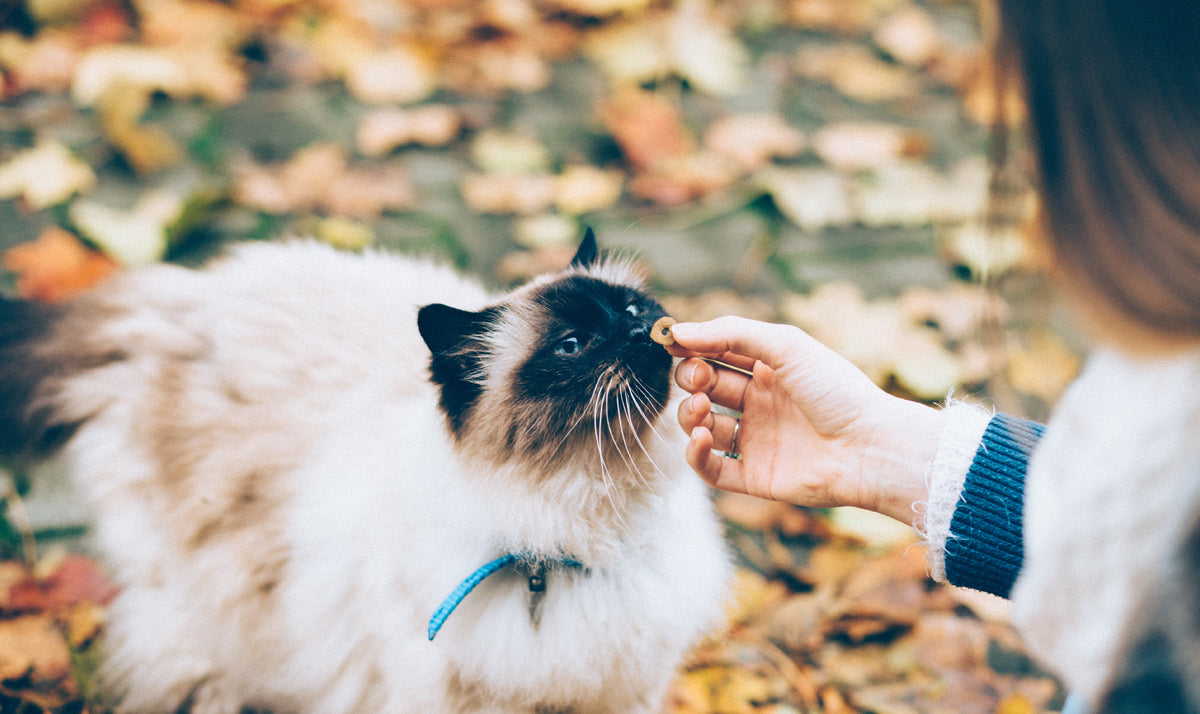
[687, 372]
[675, 331]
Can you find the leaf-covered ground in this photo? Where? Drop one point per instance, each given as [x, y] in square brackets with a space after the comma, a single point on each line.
[821, 162]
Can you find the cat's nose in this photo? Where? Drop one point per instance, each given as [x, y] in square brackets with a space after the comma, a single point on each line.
[638, 331]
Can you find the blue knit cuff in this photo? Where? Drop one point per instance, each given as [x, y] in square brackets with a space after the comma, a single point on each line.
[984, 550]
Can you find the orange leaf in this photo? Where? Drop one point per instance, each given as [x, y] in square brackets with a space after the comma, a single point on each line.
[56, 266]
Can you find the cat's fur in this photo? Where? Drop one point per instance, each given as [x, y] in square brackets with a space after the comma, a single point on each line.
[286, 484]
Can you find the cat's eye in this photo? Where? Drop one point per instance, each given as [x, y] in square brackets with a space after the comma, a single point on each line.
[633, 309]
[568, 347]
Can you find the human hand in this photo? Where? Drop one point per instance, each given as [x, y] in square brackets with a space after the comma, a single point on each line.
[814, 429]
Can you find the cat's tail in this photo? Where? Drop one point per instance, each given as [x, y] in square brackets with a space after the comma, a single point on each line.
[35, 355]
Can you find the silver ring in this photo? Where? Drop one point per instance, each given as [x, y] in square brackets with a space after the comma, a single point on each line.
[732, 453]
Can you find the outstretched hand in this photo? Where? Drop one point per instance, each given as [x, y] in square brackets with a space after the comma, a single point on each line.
[814, 430]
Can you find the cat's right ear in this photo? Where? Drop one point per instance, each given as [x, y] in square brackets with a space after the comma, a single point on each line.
[448, 330]
[588, 250]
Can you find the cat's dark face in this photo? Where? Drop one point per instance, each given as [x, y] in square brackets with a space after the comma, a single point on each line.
[562, 364]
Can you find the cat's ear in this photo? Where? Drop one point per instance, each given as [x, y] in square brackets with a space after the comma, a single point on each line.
[588, 252]
[447, 330]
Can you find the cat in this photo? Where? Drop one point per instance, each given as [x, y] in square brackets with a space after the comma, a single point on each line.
[328, 482]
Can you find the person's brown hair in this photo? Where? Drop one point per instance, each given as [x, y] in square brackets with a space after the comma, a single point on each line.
[1113, 92]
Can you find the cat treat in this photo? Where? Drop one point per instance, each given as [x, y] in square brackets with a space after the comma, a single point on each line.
[661, 332]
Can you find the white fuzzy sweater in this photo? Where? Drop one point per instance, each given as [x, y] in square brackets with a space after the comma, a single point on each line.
[1110, 492]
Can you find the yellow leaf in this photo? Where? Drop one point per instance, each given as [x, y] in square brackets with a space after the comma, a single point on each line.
[33, 646]
[345, 233]
[752, 595]
[1017, 704]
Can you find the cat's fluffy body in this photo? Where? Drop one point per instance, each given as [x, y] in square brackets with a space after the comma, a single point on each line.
[284, 505]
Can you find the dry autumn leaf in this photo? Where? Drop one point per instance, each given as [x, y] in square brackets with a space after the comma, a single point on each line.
[399, 75]
[648, 127]
[812, 198]
[685, 40]
[751, 141]
[136, 236]
[33, 647]
[858, 145]
[909, 34]
[56, 266]
[857, 72]
[382, 130]
[45, 175]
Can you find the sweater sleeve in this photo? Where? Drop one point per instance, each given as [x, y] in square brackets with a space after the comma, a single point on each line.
[983, 550]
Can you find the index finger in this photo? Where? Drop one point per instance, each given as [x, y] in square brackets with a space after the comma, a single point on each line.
[738, 340]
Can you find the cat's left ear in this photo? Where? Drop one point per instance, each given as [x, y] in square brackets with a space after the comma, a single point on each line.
[588, 251]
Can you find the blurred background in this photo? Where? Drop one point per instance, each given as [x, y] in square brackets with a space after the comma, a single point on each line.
[820, 162]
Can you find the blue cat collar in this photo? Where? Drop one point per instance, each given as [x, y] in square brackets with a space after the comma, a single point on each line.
[536, 565]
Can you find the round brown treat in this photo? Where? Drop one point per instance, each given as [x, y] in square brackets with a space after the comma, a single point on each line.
[661, 332]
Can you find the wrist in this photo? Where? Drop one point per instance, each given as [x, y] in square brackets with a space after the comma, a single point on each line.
[903, 444]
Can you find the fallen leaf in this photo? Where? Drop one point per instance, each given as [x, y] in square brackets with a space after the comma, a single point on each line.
[180, 72]
[988, 253]
[45, 175]
[600, 8]
[753, 140]
[1043, 367]
[345, 233]
[924, 366]
[45, 62]
[134, 237]
[71, 579]
[704, 51]
[909, 34]
[674, 182]
[365, 193]
[581, 189]
[812, 198]
[857, 145]
[685, 41]
[146, 148]
[508, 193]
[495, 151]
[871, 528]
[55, 266]
[318, 177]
[548, 230]
[846, 17]
[399, 75]
[82, 622]
[382, 130]
[760, 514]
[648, 127]
[33, 647]
[857, 72]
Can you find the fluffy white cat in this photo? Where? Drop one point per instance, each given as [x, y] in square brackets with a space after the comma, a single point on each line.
[293, 465]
